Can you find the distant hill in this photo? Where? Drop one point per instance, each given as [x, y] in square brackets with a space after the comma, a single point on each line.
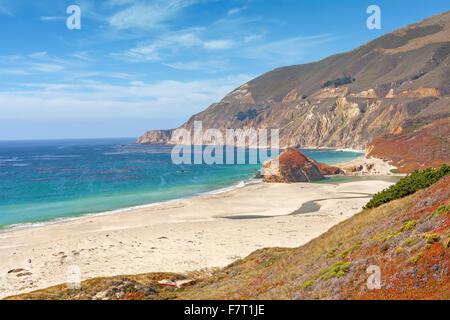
[390, 96]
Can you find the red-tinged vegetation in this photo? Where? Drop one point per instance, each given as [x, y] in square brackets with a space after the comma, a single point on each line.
[293, 156]
[134, 296]
[293, 166]
[415, 149]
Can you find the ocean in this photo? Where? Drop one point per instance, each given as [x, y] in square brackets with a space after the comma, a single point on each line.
[52, 180]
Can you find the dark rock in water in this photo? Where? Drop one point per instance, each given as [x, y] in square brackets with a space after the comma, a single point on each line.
[293, 166]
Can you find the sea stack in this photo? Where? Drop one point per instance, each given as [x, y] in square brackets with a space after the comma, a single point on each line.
[293, 166]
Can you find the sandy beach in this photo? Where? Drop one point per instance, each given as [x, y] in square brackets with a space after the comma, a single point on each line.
[192, 234]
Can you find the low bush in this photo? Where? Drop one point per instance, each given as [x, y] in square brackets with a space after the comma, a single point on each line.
[408, 185]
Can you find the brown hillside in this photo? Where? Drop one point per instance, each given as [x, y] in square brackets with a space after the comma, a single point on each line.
[347, 100]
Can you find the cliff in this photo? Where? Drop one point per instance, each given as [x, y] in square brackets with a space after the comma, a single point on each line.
[358, 99]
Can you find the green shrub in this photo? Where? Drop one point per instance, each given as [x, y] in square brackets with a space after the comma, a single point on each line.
[441, 210]
[408, 185]
[409, 225]
[308, 283]
[332, 252]
[249, 114]
[432, 237]
[338, 82]
[346, 252]
[415, 259]
[337, 270]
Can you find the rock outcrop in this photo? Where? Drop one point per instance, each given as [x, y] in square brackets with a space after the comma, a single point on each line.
[326, 169]
[293, 166]
[348, 100]
[155, 137]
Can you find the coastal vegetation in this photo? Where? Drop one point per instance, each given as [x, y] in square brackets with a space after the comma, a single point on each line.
[249, 114]
[338, 82]
[419, 179]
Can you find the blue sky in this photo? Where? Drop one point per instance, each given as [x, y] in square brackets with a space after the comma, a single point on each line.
[140, 65]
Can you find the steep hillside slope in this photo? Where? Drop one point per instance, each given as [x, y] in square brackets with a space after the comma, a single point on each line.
[407, 239]
[398, 82]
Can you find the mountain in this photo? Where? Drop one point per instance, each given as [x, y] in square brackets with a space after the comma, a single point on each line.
[379, 97]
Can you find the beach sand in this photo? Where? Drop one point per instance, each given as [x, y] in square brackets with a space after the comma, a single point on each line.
[179, 236]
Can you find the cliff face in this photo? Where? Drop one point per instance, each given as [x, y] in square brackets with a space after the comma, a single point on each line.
[155, 137]
[347, 100]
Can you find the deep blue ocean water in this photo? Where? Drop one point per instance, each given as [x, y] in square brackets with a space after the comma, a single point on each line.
[48, 180]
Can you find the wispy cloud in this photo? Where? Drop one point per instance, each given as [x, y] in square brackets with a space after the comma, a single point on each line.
[219, 44]
[55, 100]
[38, 55]
[38, 63]
[288, 50]
[6, 8]
[211, 66]
[51, 18]
[235, 10]
[45, 67]
[170, 43]
[147, 15]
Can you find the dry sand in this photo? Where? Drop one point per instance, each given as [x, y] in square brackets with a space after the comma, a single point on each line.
[178, 236]
[368, 166]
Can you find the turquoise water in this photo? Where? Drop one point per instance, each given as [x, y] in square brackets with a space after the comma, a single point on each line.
[48, 180]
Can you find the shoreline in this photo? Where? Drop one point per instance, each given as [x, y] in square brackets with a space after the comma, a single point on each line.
[384, 171]
[38, 224]
[180, 236]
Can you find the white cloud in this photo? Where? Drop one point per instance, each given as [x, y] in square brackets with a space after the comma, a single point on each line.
[235, 10]
[208, 65]
[170, 44]
[93, 99]
[220, 44]
[46, 67]
[145, 15]
[82, 55]
[38, 55]
[288, 50]
[14, 71]
[51, 18]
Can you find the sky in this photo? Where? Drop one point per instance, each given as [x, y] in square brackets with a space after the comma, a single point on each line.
[140, 65]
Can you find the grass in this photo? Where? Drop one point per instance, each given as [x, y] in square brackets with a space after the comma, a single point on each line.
[409, 225]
